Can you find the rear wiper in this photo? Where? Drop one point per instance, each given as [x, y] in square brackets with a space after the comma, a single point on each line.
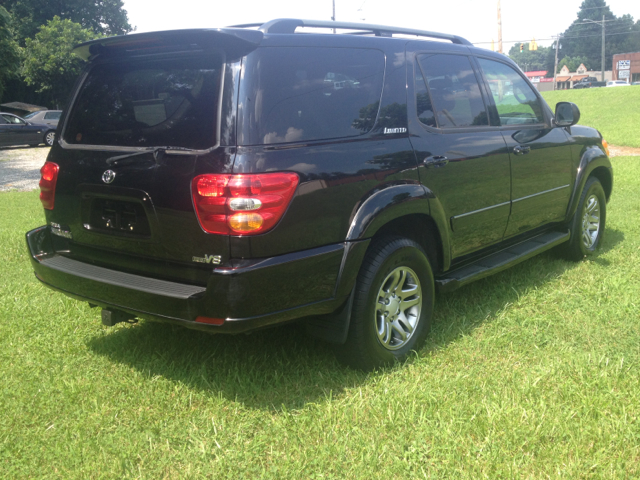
[158, 153]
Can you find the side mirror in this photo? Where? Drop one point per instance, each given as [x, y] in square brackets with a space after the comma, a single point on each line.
[567, 114]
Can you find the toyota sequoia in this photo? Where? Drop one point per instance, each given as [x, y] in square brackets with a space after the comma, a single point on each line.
[232, 179]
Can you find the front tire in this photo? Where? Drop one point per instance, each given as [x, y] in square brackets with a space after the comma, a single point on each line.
[588, 222]
[49, 138]
[392, 307]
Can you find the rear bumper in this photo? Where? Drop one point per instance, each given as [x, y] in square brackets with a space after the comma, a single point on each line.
[250, 296]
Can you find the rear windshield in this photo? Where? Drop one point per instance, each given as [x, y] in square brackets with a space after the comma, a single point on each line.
[294, 94]
[145, 104]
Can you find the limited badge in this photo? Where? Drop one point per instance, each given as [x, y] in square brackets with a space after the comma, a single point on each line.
[108, 176]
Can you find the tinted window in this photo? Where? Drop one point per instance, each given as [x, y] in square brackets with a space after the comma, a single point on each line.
[13, 119]
[32, 114]
[426, 114]
[454, 91]
[156, 103]
[515, 100]
[295, 94]
[3, 121]
[52, 115]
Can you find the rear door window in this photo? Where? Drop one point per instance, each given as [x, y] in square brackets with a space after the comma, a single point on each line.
[294, 94]
[168, 102]
[454, 98]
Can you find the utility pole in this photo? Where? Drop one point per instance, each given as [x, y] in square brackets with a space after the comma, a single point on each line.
[602, 80]
[603, 22]
[334, 14]
[499, 28]
[555, 66]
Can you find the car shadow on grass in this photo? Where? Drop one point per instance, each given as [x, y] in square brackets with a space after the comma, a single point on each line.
[283, 369]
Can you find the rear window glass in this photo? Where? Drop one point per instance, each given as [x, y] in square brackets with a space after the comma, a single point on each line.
[52, 115]
[294, 94]
[146, 104]
[454, 92]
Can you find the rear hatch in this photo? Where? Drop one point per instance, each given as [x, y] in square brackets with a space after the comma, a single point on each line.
[145, 119]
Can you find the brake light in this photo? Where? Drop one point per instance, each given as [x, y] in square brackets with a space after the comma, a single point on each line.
[242, 204]
[48, 180]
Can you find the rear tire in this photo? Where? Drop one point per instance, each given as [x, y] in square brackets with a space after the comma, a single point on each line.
[588, 222]
[392, 306]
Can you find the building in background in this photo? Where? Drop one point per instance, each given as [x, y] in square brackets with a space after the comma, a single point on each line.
[626, 66]
[20, 109]
[540, 81]
[566, 79]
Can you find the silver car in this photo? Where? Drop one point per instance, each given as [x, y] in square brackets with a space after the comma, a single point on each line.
[47, 117]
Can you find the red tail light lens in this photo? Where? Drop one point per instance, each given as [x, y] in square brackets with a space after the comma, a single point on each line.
[242, 204]
[48, 180]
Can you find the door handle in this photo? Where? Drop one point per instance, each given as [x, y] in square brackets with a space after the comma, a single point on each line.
[521, 149]
[435, 161]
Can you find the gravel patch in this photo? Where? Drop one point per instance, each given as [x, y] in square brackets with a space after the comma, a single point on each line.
[20, 167]
[624, 151]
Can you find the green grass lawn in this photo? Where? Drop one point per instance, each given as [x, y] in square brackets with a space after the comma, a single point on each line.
[613, 111]
[532, 373]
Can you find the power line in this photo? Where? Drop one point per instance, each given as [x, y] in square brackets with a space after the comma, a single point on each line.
[554, 38]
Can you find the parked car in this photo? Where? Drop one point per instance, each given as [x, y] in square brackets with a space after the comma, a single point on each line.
[588, 82]
[617, 83]
[15, 130]
[635, 83]
[233, 179]
[47, 117]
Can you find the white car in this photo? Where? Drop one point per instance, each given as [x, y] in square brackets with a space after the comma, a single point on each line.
[47, 117]
[617, 83]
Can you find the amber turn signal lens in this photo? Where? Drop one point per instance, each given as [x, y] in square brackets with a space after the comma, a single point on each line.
[245, 222]
[605, 144]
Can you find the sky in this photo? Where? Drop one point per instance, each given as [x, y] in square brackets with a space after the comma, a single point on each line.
[475, 20]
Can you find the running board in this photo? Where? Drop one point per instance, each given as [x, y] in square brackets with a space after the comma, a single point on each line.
[499, 261]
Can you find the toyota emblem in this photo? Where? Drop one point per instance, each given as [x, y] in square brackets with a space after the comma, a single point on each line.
[108, 176]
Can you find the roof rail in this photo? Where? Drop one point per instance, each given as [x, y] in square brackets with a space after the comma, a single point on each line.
[289, 25]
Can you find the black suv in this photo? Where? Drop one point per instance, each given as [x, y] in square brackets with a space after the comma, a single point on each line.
[237, 178]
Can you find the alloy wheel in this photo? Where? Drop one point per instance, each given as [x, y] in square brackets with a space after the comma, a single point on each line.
[398, 308]
[591, 221]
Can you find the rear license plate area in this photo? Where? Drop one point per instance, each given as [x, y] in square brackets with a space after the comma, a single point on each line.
[119, 217]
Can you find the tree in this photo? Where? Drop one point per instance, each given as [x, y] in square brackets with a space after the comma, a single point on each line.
[531, 60]
[584, 39]
[49, 65]
[9, 51]
[106, 17]
[632, 42]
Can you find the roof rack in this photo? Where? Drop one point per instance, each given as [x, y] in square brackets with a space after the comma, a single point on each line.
[289, 25]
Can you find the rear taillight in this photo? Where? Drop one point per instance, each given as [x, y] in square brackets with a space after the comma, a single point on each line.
[48, 179]
[242, 204]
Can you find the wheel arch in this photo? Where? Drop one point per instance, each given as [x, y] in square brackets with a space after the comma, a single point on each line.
[594, 162]
[408, 210]
[420, 228]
